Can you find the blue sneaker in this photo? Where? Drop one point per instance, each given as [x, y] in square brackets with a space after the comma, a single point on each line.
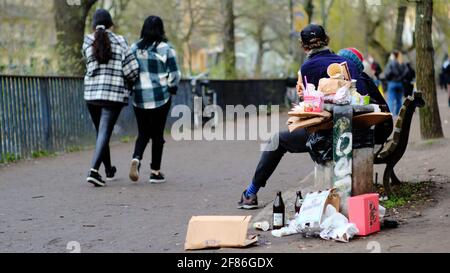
[248, 203]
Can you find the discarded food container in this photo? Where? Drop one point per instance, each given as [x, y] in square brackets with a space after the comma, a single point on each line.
[314, 102]
[313, 99]
[264, 226]
[363, 212]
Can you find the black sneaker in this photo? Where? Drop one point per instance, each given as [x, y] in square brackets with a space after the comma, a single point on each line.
[96, 179]
[248, 203]
[134, 170]
[111, 173]
[157, 178]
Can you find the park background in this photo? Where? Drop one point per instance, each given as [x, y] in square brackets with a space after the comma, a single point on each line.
[249, 47]
[252, 45]
[231, 39]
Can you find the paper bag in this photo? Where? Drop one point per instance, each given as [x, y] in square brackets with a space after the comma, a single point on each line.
[330, 86]
[218, 231]
[314, 205]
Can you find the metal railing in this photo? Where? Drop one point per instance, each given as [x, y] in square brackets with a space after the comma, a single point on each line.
[49, 113]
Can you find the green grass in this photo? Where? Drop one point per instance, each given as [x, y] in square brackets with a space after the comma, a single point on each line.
[41, 154]
[125, 139]
[74, 149]
[407, 193]
[9, 158]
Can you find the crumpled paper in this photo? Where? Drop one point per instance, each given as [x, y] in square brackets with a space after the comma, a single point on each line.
[291, 229]
[343, 96]
[336, 226]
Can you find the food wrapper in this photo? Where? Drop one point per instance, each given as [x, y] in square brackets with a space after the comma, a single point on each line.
[346, 71]
[329, 86]
[343, 96]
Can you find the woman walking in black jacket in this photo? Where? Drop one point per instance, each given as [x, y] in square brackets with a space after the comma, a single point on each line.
[111, 67]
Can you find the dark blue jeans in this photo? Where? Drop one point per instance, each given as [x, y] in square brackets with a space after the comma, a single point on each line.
[395, 97]
[104, 119]
[294, 142]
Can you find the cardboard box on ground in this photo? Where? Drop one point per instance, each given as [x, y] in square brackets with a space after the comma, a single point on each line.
[218, 231]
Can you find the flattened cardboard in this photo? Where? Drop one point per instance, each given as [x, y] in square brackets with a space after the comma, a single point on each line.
[368, 120]
[305, 123]
[303, 114]
[217, 232]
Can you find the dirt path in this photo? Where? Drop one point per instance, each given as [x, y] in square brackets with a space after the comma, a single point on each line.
[425, 229]
[45, 203]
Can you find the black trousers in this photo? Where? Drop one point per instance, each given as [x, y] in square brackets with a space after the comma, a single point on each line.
[151, 124]
[104, 119]
[279, 145]
[295, 142]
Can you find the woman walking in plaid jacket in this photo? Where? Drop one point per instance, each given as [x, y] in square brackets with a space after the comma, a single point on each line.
[158, 80]
[111, 67]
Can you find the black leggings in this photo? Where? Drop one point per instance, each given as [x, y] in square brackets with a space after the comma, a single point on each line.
[151, 124]
[104, 119]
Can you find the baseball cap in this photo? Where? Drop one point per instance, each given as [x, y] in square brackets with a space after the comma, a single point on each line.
[311, 32]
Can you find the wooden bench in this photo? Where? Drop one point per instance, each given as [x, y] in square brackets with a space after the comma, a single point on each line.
[393, 150]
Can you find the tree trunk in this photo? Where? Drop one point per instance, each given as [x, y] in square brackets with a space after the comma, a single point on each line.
[229, 51]
[401, 15]
[309, 8]
[260, 53]
[371, 27]
[363, 18]
[430, 121]
[292, 43]
[326, 11]
[70, 23]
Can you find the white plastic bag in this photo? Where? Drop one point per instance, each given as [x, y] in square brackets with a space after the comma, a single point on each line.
[343, 96]
[381, 212]
[336, 226]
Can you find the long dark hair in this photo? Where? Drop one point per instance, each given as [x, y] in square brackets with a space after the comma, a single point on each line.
[152, 32]
[102, 45]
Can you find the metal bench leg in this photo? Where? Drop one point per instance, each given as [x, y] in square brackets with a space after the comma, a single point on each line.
[387, 180]
[394, 178]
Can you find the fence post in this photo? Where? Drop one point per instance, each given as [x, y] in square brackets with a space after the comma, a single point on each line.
[1, 119]
[46, 114]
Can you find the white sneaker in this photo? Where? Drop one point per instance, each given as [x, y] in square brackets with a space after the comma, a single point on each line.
[134, 170]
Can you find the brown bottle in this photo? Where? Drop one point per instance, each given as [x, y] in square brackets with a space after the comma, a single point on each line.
[278, 212]
[298, 202]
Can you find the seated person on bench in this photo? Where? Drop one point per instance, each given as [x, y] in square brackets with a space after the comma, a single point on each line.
[314, 41]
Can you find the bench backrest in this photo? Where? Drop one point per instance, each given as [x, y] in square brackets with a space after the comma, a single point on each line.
[403, 125]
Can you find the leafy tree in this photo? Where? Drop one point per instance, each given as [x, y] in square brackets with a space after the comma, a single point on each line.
[70, 21]
[430, 120]
[229, 46]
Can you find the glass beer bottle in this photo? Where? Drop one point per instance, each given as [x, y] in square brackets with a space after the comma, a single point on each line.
[298, 202]
[278, 212]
